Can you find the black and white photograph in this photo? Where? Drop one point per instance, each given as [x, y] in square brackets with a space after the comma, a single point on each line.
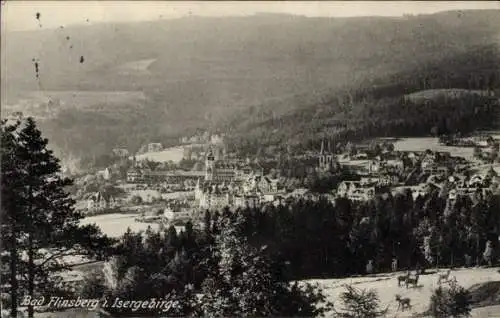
[250, 159]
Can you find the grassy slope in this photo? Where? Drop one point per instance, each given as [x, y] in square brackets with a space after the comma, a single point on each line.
[387, 288]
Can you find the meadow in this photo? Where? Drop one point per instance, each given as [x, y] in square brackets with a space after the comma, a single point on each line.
[386, 286]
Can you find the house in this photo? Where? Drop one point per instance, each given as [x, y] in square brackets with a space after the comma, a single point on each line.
[388, 180]
[355, 191]
[214, 196]
[121, 152]
[436, 169]
[260, 183]
[396, 165]
[134, 176]
[369, 181]
[362, 194]
[100, 201]
[172, 214]
[361, 156]
[428, 160]
[251, 201]
[375, 166]
[154, 147]
[105, 174]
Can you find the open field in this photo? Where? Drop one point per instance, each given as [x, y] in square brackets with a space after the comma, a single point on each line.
[140, 67]
[116, 224]
[386, 286]
[424, 143]
[174, 154]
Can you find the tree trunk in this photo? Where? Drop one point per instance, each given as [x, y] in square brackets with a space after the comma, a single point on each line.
[477, 252]
[13, 277]
[31, 274]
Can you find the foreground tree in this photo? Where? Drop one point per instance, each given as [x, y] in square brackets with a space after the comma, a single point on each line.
[453, 301]
[39, 223]
[360, 304]
[242, 282]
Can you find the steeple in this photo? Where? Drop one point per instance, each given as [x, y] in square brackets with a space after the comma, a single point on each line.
[322, 147]
[329, 147]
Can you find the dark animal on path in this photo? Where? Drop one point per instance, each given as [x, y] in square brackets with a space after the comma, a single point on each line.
[444, 277]
[403, 303]
[412, 281]
[403, 278]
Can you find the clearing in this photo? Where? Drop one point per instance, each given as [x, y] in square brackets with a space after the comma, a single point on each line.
[174, 154]
[432, 143]
[386, 286]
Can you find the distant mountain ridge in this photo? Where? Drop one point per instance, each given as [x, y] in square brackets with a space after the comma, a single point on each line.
[207, 72]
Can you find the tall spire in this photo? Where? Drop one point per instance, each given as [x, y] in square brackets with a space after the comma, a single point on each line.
[329, 146]
[322, 147]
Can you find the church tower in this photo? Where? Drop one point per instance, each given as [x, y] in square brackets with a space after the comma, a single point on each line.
[326, 158]
[209, 166]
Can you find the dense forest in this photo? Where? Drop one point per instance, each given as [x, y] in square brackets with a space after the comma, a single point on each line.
[301, 240]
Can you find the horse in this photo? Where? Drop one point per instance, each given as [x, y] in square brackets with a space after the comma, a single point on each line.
[403, 303]
[403, 278]
[412, 281]
[444, 277]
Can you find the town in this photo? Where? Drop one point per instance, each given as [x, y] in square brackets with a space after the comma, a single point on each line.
[209, 177]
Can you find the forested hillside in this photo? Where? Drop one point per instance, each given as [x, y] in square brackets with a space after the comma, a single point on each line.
[243, 74]
[384, 106]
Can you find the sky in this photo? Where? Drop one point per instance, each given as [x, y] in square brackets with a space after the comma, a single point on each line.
[21, 15]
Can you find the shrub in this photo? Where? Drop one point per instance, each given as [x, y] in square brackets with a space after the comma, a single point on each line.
[360, 304]
[453, 301]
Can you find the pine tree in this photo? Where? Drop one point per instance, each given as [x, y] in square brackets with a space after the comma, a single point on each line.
[242, 284]
[38, 213]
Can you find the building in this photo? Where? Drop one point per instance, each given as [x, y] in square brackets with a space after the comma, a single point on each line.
[100, 201]
[121, 152]
[396, 165]
[260, 183]
[154, 147]
[173, 214]
[375, 166]
[436, 169]
[214, 197]
[134, 175]
[220, 171]
[428, 160]
[326, 159]
[355, 191]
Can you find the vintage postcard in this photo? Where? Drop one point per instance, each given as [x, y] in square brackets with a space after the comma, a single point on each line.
[250, 159]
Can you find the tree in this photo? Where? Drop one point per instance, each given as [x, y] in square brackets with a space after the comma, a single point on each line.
[477, 152]
[242, 282]
[360, 304]
[453, 301]
[136, 199]
[38, 217]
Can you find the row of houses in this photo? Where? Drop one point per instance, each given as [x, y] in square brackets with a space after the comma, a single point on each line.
[255, 190]
[136, 175]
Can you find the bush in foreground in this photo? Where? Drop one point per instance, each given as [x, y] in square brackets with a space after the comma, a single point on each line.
[452, 301]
